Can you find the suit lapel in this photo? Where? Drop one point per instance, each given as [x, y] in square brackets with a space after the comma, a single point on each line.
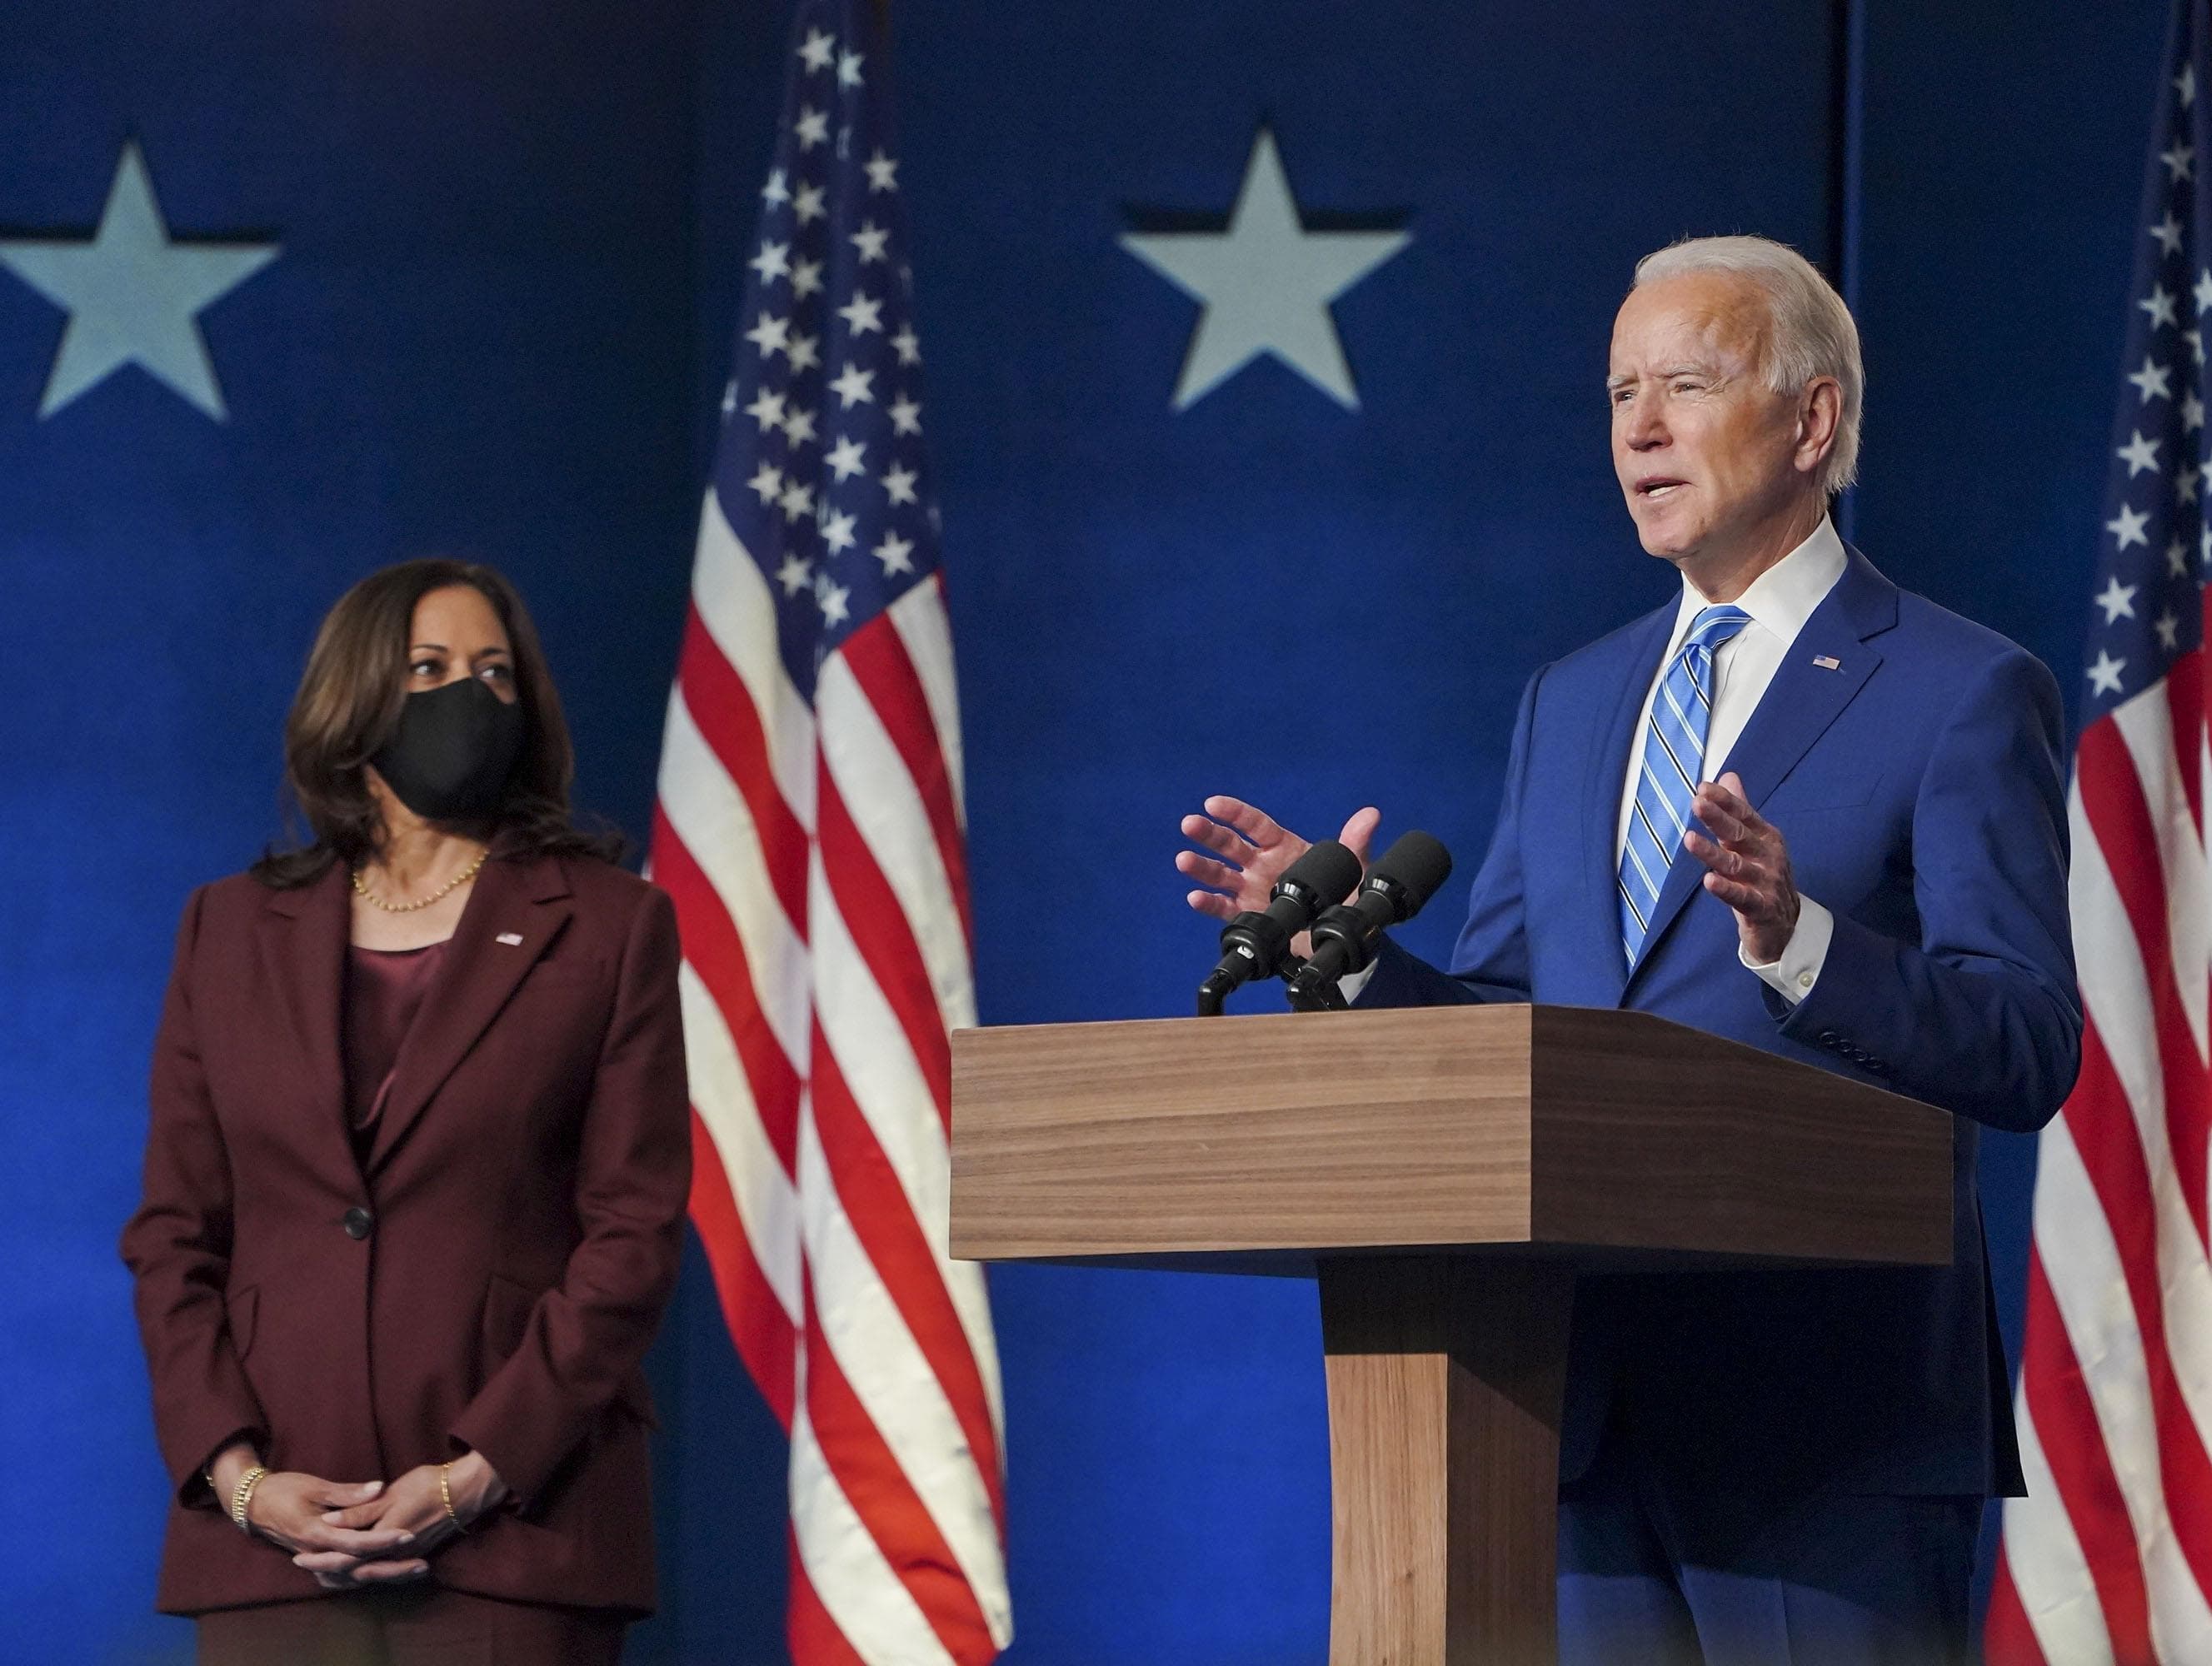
[1804, 698]
[526, 900]
[302, 944]
[1608, 769]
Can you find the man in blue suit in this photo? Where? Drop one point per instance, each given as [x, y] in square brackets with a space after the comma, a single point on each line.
[1803, 809]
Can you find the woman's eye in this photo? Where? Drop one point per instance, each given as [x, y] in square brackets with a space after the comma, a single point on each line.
[496, 673]
[426, 667]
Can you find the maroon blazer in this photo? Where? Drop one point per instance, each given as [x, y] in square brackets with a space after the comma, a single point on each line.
[489, 1278]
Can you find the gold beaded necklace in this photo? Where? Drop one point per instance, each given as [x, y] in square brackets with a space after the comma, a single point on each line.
[361, 888]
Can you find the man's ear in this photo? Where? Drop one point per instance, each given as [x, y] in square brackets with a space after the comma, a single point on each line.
[1820, 415]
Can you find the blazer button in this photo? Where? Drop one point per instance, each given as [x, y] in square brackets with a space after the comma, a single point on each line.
[1829, 1038]
[358, 1223]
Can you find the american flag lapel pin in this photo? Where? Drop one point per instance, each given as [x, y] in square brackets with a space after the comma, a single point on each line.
[1827, 662]
[513, 940]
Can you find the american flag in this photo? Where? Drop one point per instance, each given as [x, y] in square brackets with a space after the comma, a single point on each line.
[2109, 1558]
[810, 831]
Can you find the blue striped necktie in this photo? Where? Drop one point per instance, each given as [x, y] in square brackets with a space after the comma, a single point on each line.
[1667, 777]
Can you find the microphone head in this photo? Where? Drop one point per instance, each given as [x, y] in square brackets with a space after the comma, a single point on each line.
[1324, 875]
[1409, 873]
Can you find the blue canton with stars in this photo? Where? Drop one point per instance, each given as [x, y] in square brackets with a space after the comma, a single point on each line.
[821, 472]
[2156, 549]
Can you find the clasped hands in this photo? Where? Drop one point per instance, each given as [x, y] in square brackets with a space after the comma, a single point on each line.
[1747, 861]
[354, 1534]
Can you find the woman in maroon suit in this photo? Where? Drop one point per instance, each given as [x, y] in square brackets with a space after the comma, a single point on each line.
[416, 1174]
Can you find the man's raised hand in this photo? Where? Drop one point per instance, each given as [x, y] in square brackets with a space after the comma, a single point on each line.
[1747, 867]
[1251, 851]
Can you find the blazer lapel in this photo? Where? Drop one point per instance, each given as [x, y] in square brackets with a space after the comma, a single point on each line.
[482, 965]
[302, 944]
[1804, 698]
[1608, 769]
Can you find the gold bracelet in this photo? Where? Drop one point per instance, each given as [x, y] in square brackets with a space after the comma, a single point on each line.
[242, 1494]
[445, 1492]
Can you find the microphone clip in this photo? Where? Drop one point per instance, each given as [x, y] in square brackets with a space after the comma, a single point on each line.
[1310, 992]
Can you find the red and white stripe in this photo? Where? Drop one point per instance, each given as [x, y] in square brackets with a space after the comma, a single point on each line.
[815, 853]
[2109, 1558]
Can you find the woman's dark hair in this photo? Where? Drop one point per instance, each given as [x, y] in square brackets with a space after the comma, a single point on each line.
[349, 702]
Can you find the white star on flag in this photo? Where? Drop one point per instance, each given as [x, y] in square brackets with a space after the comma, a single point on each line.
[895, 553]
[803, 353]
[2104, 674]
[1265, 283]
[845, 459]
[807, 204]
[2168, 233]
[771, 335]
[870, 240]
[2152, 380]
[2117, 599]
[848, 70]
[819, 51]
[882, 173]
[2138, 455]
[767, 410]
[906, 416]
[767, 482]
[771, 262]
[853, 387]
[812, 128]
[2160, 305]
[2128, 526]
[861, 315]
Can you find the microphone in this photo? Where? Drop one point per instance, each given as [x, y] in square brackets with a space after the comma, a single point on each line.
[1345, 938]
[1256, 944]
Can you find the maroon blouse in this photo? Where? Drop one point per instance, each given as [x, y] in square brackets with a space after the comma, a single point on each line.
[384, 991]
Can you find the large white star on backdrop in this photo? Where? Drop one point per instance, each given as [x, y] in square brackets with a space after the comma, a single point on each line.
[133, 296]
[1266, 282]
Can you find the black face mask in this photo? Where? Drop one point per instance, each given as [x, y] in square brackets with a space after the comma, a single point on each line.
[449, 757]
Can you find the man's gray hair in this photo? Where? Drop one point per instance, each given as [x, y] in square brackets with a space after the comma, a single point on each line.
[1810, 329]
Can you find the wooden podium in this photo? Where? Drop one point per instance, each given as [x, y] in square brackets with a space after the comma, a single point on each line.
[1447, 1173]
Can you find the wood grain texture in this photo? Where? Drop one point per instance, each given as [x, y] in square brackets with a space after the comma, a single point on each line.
[1618, 1134]
[1289, 1130]
[1445, 1379]
[1649, 1133]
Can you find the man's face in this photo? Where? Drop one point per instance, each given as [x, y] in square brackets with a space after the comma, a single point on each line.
[1705, 453]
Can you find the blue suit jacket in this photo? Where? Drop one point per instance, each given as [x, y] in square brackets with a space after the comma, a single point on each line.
[1919, 788]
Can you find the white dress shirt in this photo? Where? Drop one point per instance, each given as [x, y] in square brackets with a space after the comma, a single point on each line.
[1780, 601]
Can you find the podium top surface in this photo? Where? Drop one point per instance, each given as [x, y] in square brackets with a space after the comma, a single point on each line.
[1252, 1144]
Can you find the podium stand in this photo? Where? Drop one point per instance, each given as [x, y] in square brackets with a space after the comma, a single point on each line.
[1446, 1173]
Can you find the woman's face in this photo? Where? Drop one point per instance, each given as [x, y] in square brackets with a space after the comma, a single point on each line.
[457, 633]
